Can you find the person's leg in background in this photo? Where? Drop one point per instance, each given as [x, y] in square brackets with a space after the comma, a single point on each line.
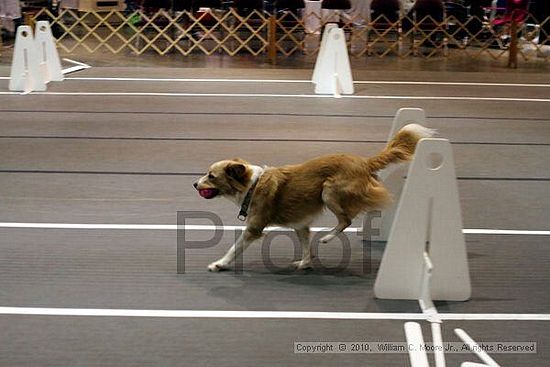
[359, 16]
[477, 11]
[10, 18]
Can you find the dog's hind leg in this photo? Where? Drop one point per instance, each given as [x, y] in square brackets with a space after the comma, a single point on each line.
[303, 237]
[334, 202]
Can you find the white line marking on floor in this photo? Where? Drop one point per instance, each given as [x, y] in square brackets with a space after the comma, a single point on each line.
[300, 81]
[264, 314]
[78, 67]
[266, 95]
[506, 232]
[472, 84]
[199, 227]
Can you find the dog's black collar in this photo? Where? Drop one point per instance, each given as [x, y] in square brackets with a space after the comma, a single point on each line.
[243, 213]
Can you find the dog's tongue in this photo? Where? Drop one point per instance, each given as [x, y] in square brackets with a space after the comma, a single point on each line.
[208, 193]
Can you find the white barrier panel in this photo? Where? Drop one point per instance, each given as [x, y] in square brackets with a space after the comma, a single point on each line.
[50, 65]
[428, 219]
[25, 73]
[322, 49]
[394, 176]
[332, 73]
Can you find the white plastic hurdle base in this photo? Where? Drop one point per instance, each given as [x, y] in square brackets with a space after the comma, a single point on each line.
[394, 176]
[25, 73]
[332, 73]
[428, 220]
[414, 332]
[415, 340]
[50, 64]
[78, 66]
[477, 350]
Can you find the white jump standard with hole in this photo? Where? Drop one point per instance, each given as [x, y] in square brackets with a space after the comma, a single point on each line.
[36, 61]
[427, 222]
[425, 256]
[26, 75]
[332, 72]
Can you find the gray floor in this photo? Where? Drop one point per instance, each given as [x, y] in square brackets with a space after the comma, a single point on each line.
[132, 159]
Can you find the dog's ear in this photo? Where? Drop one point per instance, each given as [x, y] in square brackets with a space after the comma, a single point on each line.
[236, 171]
[239, 160]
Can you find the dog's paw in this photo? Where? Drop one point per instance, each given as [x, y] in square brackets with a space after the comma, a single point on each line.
[302, 264]
[327, 238]
[217, 266]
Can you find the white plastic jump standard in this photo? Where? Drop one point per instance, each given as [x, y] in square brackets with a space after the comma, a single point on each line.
[394, 175]
[50, 64]
[428, 219]
[316, 78]
[25, 73]
[332, 73]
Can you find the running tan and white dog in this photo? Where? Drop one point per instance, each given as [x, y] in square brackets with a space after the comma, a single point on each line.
[294, 195]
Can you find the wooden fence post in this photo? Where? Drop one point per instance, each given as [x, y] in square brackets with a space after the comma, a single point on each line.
[272, 39]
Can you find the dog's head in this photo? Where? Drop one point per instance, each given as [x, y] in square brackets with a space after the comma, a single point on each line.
[224, 178]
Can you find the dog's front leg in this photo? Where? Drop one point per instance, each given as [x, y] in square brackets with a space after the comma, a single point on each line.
[237, 249]
[303, 236]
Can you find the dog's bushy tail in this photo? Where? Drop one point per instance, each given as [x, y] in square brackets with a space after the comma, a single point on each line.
[401, 147]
